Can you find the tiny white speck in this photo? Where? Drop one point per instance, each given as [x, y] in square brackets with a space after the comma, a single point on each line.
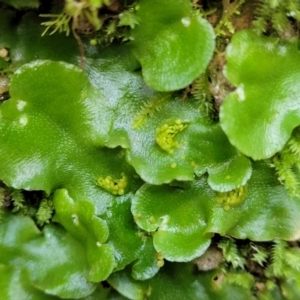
[75, 219]
[269, 46]
[186, 22]
[164, 222]
[229, 49]
[23, 120]
[291, 14]
[98, 244]
[225, 71]
[21, 104]
[282, 50]
[240, 92]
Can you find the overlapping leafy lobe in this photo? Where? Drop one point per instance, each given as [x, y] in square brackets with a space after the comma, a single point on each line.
[173, 47]
[80, 220]
[182, 217]
[178, 281]
[229, 175]
[108, 246]
[163, 158]
[81, 180]
[214, 170]
[24, 249]
[179, 224]
[99, 293]
[130, 244]
[200, 147]
[259, 116]
[126, 92]
[44, 146]
[14, 284]
[64, 150]
[267, 211]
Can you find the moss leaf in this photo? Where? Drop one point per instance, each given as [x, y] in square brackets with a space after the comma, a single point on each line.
[139, 126]
[80, 220]
[106, 251]
[176, 142]
[259, 116]
[173, 47]
[179, 225]
[179, 281]
[130, 244]
[14, 284]
[182, 218]
[266, 210]
[52, 260]
[230, 175]
[52, 131]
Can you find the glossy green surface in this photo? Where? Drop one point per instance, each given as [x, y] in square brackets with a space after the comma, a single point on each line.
[179, 281]
[170, 39]
[259, 116]
[183, 217]
[174, 215]
[14, 284]
[80, 221]
[140, 111]
[58, 148]
[130, 245]
[139, 178]
[25, 251]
